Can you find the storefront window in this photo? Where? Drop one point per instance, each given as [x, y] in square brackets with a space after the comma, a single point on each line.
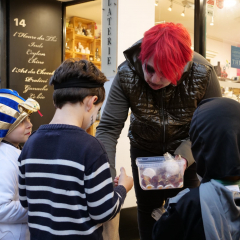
[176, 12]
[223, 44]
[83, 32]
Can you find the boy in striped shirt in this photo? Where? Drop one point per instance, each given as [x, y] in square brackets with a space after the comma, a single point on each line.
[64, 178]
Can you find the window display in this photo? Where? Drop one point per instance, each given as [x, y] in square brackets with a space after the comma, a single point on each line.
[81, 40]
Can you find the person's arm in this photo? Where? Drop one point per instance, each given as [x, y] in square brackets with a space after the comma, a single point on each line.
[213, 90]
[11, 211]
[112, 121]
[103, 201]
[169, 226]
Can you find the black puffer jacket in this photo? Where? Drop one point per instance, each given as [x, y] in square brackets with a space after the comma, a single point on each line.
[160, 119]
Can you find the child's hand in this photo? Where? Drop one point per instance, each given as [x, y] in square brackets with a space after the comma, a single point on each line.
[116, 179]
[125, 180]
[177, 157]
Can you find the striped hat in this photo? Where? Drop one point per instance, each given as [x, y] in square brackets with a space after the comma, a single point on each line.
[13, 110]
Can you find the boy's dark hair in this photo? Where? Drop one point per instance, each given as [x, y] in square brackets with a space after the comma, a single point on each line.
[76, 68]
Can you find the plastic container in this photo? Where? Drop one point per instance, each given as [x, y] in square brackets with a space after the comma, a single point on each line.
[156, 173]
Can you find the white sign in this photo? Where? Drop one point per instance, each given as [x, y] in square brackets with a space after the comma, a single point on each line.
[109, 37]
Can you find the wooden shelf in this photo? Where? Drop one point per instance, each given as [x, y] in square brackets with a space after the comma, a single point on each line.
[69, 29]
[92, 129]
[82, 53]
[74, 20]
[96, 62]
[91, 43]
[84, 37]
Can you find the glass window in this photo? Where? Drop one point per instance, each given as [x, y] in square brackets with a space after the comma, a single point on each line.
[223, 43]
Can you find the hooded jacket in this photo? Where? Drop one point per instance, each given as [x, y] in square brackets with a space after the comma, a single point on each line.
[211, 211]
[160, 119]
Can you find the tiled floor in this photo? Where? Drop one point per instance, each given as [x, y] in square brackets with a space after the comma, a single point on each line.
[128, 228]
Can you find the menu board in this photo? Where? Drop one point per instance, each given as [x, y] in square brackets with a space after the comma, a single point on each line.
[35, 51]
[235, 57]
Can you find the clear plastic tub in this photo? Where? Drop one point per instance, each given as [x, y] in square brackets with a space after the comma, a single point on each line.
[156, 173]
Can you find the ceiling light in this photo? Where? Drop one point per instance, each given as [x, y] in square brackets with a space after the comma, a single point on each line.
[229, 3]
[183, 13]
[156, 4]
[170, 8]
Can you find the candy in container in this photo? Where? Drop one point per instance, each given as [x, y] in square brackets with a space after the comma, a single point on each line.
[163, 172]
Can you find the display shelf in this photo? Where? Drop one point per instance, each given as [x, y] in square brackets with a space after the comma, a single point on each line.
[73, 40]
[78, 36]
[229, 84]
[69, 29]
[96, 62]
[92, 129]
[80, 53]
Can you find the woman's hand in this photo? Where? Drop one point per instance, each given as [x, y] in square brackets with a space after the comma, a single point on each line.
[178, 157]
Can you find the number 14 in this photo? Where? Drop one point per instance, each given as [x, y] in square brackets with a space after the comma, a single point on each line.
[22, 22]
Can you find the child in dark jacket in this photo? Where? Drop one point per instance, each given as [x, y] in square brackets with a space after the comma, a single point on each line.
[64, 171]
[211, 211]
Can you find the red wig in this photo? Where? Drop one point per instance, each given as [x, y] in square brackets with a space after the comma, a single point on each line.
[170, 44]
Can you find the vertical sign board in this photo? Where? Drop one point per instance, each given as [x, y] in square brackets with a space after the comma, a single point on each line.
[35, 46]
[235, 57]
[109, 41]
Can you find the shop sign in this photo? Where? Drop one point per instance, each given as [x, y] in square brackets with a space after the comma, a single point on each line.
[235, 57]
[109, 37]
[35, 43]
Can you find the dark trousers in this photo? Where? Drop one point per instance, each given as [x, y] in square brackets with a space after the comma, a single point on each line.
[148, 200]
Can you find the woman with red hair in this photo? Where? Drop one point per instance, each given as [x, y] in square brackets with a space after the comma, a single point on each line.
[169, 61]
[162, 81]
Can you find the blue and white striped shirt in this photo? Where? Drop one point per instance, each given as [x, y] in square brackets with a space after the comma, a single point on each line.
[65, 182]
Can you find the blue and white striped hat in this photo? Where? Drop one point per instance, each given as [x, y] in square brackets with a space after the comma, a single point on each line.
[13, 110]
